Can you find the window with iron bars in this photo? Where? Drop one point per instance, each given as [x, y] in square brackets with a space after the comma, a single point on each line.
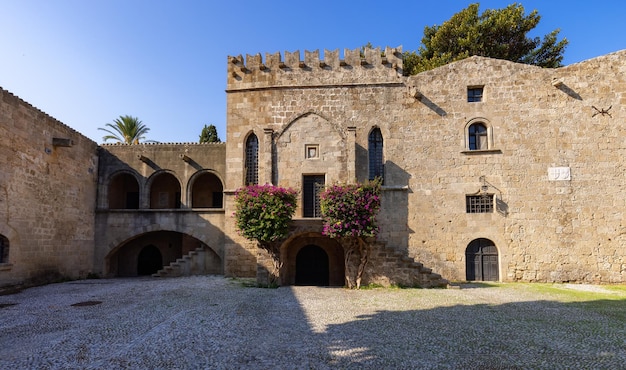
[252, 160]
[479, 203]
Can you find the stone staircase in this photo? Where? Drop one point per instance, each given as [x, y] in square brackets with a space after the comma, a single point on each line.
[200, 261]
[400, 269]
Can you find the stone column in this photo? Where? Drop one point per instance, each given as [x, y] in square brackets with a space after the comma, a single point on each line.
[351, 148]
[265, 168]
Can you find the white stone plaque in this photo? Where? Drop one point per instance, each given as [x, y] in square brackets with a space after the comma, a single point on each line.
[559, 174]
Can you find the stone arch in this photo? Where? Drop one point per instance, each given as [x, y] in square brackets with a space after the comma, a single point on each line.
[211, 194]
[476, 121]
[310, 145]
[331, 247]
[123, 254]
[164, 190]
[294, 118]
[123, 190]
[482, 261]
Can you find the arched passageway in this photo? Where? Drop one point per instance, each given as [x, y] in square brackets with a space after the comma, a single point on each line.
[481, 261]
[149, 260]
[124, 192]
[312, 259]
[207, 192]
[165, 192]
[144, 253]
[312, 266]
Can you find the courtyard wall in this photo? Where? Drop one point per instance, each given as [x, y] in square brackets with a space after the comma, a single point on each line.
[47, 195]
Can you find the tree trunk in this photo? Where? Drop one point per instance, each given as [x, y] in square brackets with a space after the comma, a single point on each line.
[273, 248]
[363, 251]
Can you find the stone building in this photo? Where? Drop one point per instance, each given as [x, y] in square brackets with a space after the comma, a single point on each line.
[492, 171]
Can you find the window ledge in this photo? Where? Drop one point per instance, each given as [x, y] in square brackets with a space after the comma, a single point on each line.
[482, 151]
[6, 266]
[394, 187]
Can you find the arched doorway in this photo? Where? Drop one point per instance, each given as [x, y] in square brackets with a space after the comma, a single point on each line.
[312, 266]
[481, 261]
[149, 260]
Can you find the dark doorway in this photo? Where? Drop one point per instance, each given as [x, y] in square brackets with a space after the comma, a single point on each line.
[312, 266]
[481, 258]
[149, 260]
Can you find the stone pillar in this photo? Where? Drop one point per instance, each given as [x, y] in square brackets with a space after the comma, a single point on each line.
[351, 148]
[265, 168]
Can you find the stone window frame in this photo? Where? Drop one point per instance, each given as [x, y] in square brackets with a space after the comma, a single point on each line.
[480, 203]
[475, 93]
[109, 182]
[251, 162]
[490, 136]
[376, 155]
[312, 151]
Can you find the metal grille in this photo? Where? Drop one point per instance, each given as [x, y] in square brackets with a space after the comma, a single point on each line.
[375, 150]
[252, 160]
[479, 203]
[311, 189]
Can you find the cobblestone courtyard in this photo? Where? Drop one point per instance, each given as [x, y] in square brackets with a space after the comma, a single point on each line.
[217, 323]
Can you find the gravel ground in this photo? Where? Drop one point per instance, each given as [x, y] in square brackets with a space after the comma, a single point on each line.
[210, 322]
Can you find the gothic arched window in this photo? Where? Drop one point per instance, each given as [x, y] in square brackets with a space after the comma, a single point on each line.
[375, 150]
[252, 160]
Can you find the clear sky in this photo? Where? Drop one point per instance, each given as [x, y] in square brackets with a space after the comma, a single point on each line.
[86, 62]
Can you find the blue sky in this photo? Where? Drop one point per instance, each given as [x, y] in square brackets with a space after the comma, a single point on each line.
[86, 62]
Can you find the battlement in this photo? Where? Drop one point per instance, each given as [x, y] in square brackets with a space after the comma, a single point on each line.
[370, 66]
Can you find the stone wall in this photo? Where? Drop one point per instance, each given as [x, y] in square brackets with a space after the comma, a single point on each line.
[538, 120]
[117, 228]
[47, 195]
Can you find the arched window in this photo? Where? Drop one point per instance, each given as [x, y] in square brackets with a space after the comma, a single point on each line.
[207, 192]
[477, 136]
[252, 160]
[123, 192]
[375, 150]
[4, 249]
[165, 192]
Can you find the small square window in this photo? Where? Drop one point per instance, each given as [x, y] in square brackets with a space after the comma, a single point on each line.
[479, 203]
[474, 94]
[311, 151]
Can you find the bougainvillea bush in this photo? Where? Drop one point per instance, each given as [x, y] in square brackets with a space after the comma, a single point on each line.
[263, 212]
[349, 214]
[350, 210]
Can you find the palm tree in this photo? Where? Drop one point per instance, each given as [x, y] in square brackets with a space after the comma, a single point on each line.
[126, 129]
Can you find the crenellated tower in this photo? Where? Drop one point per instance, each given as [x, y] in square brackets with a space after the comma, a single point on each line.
[368, 66]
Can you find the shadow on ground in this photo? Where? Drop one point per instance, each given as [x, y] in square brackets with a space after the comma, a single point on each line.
[212, 322]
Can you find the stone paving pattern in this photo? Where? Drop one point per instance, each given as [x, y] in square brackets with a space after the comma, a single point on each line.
[211, 322]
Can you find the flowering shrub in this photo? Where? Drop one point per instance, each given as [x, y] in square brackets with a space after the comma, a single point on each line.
[350, 210]
[263, 212]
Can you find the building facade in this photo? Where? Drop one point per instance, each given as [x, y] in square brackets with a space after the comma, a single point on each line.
[491, 170]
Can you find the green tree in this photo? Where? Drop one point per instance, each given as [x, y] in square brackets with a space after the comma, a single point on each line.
[349, 213]
[125, 129]
[496, 33]
[209, 135]
[263, 213]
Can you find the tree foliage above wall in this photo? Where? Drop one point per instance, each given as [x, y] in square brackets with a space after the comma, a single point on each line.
[496, 33]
